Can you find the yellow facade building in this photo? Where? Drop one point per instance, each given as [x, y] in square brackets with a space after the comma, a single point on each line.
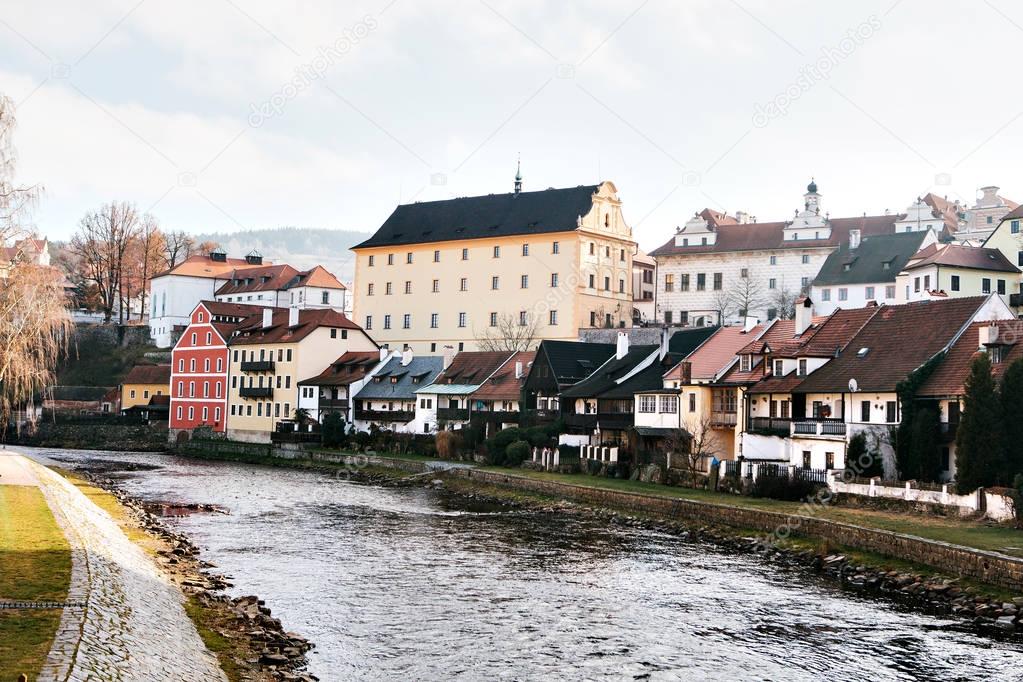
[269, 359]
[142, 383]
[524, 266]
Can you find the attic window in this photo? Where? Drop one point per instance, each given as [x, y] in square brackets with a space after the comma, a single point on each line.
[887, 265]
[847, 267]
[862, 352]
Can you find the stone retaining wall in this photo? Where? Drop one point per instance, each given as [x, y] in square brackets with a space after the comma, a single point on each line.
[989, 567]
[147, 438]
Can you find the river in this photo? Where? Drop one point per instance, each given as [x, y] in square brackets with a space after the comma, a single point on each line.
[415, 584]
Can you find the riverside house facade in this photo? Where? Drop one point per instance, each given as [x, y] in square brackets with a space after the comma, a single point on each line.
[956, 271]
[533, 265]
[271, 354]
[142, 383]
[388, 399]
[199, 367]
[447, 401]
[719, 269]
[332, 389]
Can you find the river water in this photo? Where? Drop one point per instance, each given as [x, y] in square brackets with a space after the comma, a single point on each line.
[413, 584]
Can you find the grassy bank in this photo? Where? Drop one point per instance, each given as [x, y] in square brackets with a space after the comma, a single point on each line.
[35, 565]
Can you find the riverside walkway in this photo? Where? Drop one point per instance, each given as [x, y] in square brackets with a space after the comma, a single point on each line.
[124, 619]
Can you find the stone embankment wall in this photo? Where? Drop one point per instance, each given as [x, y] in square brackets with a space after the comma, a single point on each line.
[990, 567]
[95, 437]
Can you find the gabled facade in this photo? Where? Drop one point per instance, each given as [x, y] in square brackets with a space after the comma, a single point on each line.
[557, 366]
[332, 389]
[453, 272]
[199, 366]
[497, 403]
[388, 398]
[271, 354]
[448, 400]
[981, 219]
[285, 287]
[957, 271]
[142, 383]
[719, 269]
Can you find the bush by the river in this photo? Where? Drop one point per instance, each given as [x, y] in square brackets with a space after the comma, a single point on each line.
[333, 430]
[783, 488]
[516, 453]
[448, 444]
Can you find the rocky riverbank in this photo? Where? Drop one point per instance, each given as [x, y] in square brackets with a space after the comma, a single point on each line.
[250, 643]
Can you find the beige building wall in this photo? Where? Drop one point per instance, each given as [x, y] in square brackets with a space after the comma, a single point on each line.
[253, 419]
[426, 279]
[139, 394]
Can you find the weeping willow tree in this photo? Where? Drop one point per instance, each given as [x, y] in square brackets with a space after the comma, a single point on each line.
[34, 321]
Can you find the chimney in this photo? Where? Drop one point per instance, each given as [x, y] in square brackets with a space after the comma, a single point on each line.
[292, 317]
[406, 356]
[988, 334]
[854, 238]
[518, 369]
[748, 323]
[449, 356]
[268, 317]
[665, 337]
[383, 353]
[623, 345]
[804, 314]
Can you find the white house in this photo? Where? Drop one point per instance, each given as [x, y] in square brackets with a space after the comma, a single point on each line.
[284, 286]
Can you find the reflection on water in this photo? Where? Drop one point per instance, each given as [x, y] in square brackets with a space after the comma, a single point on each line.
[412, 584]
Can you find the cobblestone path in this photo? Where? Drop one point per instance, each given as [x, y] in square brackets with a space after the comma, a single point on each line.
[133, 625]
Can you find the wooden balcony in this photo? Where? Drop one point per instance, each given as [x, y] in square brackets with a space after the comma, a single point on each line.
[770, 424]
[256, 391]
[332, 403]
[257, 365]
[828, 429]
[384, 415]
[724, 419]
[452, 414]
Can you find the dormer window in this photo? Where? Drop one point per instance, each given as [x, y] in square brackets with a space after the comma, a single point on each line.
[745, 362]
[779, 368]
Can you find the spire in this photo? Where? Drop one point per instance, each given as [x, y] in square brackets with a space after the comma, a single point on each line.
[518, 175]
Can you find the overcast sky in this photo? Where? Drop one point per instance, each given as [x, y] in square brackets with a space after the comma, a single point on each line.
[222, 114]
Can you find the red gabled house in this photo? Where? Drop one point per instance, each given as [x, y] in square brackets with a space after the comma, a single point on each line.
[199, 366]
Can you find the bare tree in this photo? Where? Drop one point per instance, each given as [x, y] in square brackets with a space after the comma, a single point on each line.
[784, 302]
[102, 244]
[509, 333]
[146, 258]
[722, 302]
[688, 450]
[179, 246]
[34, 322]
[747, 294]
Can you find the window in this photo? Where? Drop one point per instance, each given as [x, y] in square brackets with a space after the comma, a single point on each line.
[205, 413]
[434, 320]
[774, 260]
[523, 318]
[804, 282]
[436, 286]
[669, 282]
[745, 362]
[825, 294]
[621, 286]
[191, 412]
[843, 294]
[667, 317]
[779, 368]
[193, 338]
[985, 285]
[869, 293]
[436, 256]
[593, 281]
[387, 321]
[217, 385]
[668, 404]
[462, 319]
[802, 367]
[408, 287]
[916, 284]
[718, 281]
[524, 282]
[647, 404]
[927, 282]
[325, 297]
[463, 284]
[593, 249]
[131, 393]
[692, 402]
[555, 247]
[829, 460]
[181, 365]
[552, 317]
[554, 279]
[806, 259]
[989, 220]
[493, 319]
[369, 322]
[372, 261]
[525, 249]
[495, 282]
[683, 282]
[408, 258]
[497, 252]
[1001, 287]
[889, 291]
[607, 284]
[865, 411]
[406, 321]
[191, 389]
[772, 283]
[891, 411]
[333, 335]
[744, 273]
[465, 254]
[593, 319]
[701, 282]
[390, 259]
[209, 338]
[607, 249]
[205, 389]
[388, 289]
[179, 411]
[772, 313]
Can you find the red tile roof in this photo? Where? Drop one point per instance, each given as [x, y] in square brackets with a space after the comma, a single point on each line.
[502, 384]
[893, 343]
[1014, 214]
[252, 331]
[473, 367]
[948, 378]
[959, 256]
[348, 368]
[318, 276]
[204, 266]
[148, 374]
[258, 278]
[237, 310]
[716, 352]
[768, 236]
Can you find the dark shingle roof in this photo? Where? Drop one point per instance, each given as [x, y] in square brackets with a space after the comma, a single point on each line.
[867, 264]
[573, 361]
[473, 367]
[685, 341]
[897, 340]
[425, 368]
[604, 378]
[492, 215]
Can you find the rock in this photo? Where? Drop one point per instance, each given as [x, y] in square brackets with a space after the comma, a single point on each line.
[1005, 623]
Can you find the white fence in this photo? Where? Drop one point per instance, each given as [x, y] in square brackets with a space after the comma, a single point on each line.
[601, 453]
[995, 506]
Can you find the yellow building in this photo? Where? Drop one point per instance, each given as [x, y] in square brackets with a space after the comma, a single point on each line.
[269, 358]
[524, 265]
[142, 383]
[943, 271]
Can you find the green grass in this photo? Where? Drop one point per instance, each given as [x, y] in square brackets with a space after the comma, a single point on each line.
[96, 364]
[35, 565]
[996, 538]
[227, 650]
